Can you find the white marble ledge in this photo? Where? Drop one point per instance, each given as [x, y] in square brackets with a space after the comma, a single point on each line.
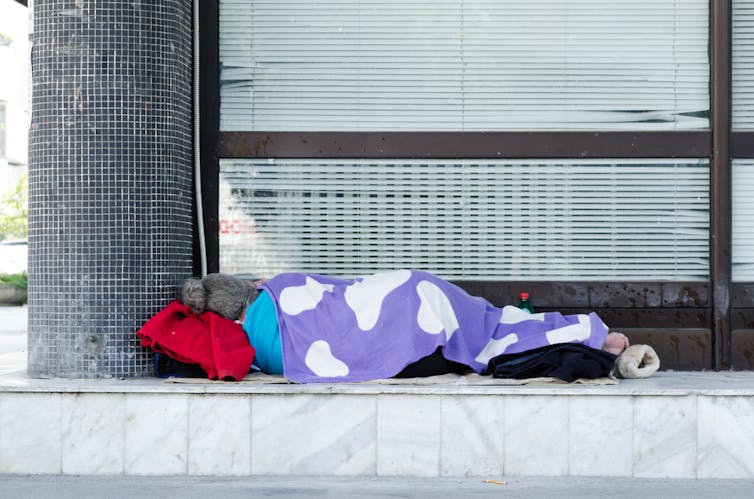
[668, 383]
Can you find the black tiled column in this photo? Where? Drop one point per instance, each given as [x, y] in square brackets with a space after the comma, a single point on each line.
[110, 221]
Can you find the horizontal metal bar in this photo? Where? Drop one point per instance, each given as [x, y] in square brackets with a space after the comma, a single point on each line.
[685, 144]
[595, 294]
[742, 145]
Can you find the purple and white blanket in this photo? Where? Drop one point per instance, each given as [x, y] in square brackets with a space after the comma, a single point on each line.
[336, 330]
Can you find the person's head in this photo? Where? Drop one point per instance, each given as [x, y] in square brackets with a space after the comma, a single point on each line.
[615, 343]
[223, 294]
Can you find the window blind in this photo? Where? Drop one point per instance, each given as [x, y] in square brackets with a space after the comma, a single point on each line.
[743, 64]
[463, 65]
[743, 220]
[468, 219]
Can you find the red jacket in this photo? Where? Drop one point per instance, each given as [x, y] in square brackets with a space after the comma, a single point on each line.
[219, 345]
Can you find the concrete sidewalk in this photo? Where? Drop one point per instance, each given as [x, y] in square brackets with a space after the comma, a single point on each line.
[63, 487]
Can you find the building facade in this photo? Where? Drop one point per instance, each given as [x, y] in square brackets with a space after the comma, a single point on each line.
[596, 155]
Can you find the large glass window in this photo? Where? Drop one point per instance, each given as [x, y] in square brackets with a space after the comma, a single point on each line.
[743, 64]
[468, 219]
[456, 66]
[464, 65]
[743, 120]
[743, 220]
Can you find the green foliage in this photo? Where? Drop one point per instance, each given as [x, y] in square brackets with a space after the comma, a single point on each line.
[15, 280]
[14, 211]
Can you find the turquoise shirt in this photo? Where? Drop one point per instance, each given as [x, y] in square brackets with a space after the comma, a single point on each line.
[261, 326]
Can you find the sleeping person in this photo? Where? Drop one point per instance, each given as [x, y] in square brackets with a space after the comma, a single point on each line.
[316, 328]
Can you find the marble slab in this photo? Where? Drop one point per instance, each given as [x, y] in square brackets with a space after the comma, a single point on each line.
[93, 430]
[536, 436]
[219, 435]
[408, 435]
[665, 436]
[665, 383]
[726, 437]
[313, 435]
[156, 434]
[30, 426]
[600, 436]
[495, 431]
[471, 436]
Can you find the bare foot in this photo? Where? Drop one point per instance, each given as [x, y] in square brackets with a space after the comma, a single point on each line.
[615, 343]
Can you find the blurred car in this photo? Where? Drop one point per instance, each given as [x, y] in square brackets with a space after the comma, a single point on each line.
[13, 256]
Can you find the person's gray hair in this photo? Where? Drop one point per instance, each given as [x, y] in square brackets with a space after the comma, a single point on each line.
[222, 294]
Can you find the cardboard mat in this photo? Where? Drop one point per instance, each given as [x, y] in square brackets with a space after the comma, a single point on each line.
[472, 379]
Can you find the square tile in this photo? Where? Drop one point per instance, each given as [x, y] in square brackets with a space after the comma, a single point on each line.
[219, 435]
[471, 437]
[93, 432]
[665, 431]
[313, 435]
[726, 437]
[536, 435]
[30, 433]
[156, 434]
[408, 435]
[601, 436]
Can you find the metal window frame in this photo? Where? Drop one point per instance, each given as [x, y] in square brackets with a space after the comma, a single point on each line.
[690, 324]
